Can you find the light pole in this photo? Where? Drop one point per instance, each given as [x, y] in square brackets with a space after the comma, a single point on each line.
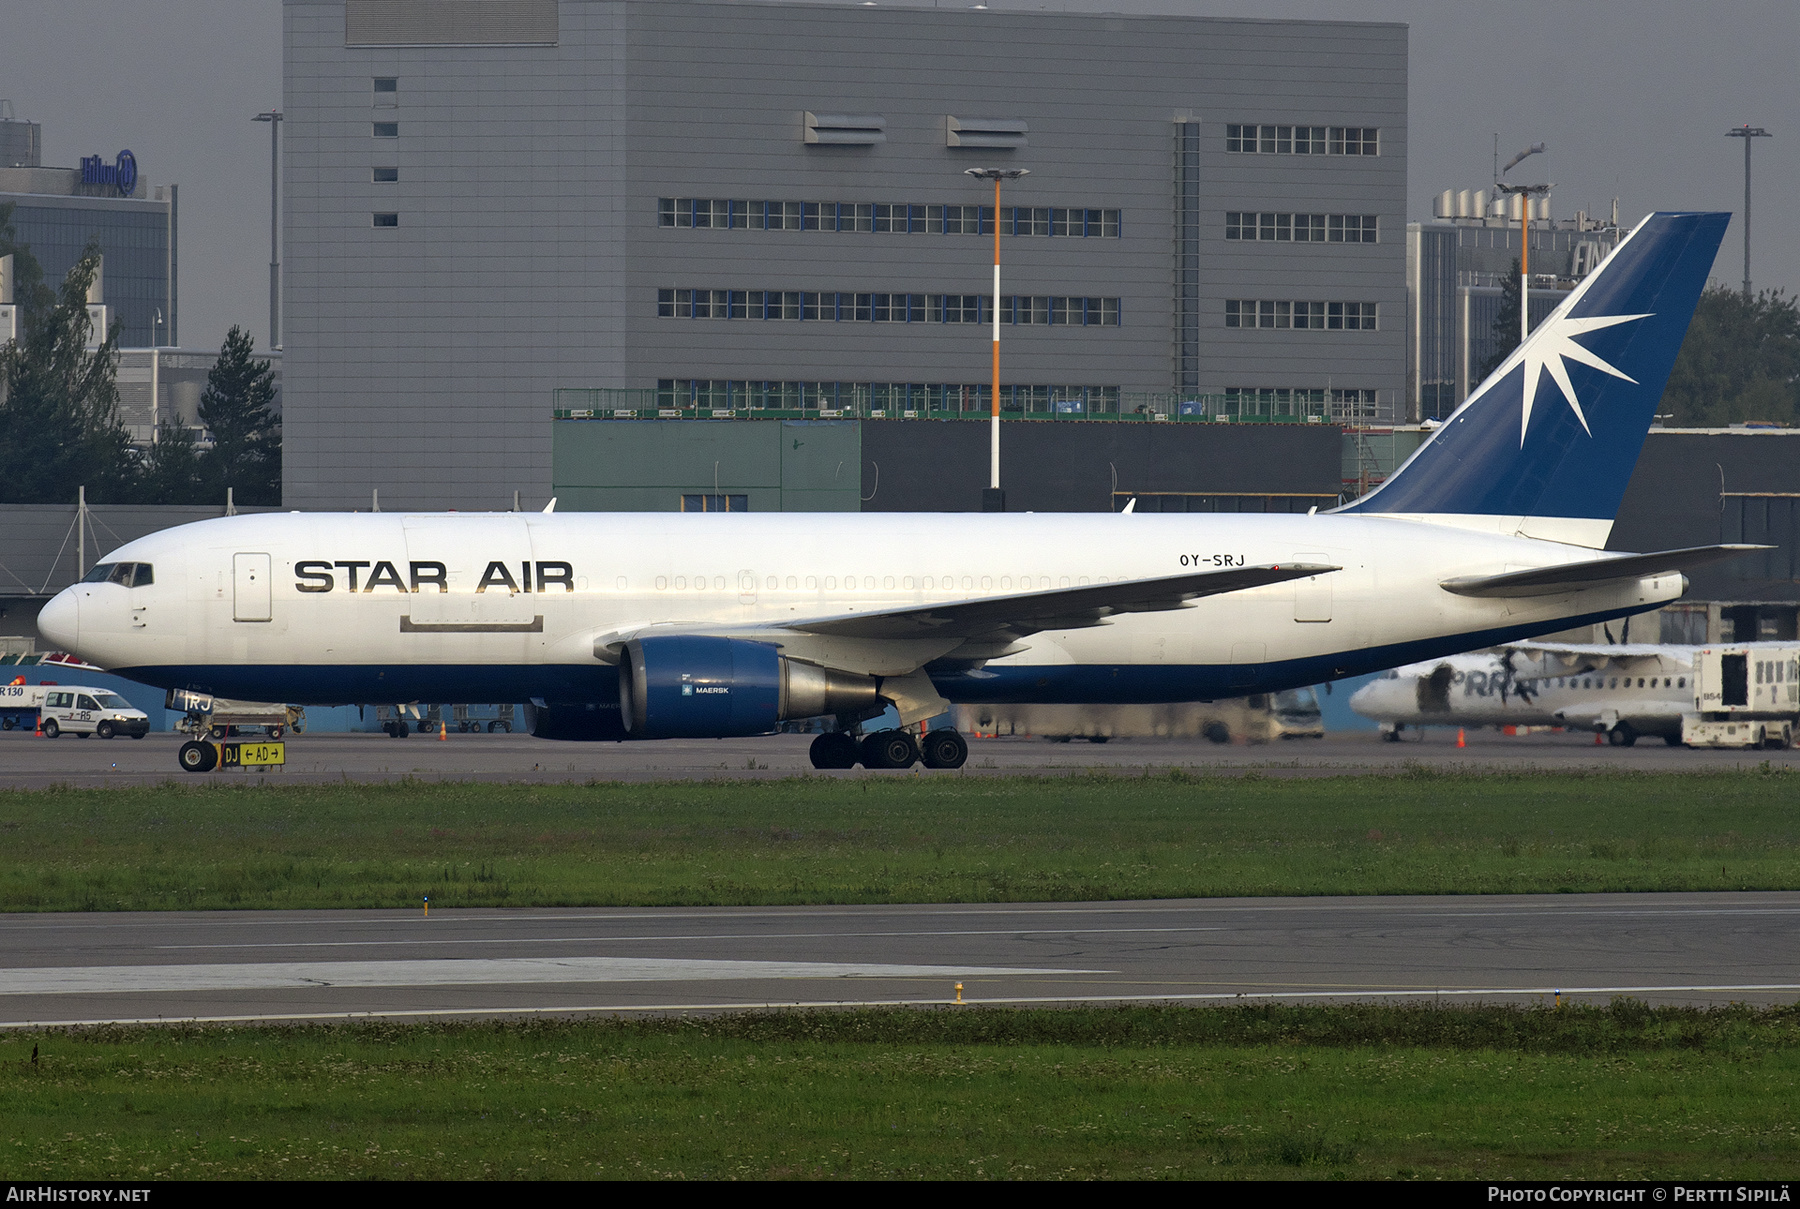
[1747, 133]
[273, 118]
[994, 499]
[1525, 193]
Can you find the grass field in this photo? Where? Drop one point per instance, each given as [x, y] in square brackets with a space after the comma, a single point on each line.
[940, 839]
[1287, 1092]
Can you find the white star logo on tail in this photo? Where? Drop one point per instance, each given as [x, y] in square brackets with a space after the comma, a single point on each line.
[1553, 345]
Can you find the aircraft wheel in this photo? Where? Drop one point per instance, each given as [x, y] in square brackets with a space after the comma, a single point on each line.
[1218, 732]
[1622, 735]
[889, 749]
[401, 730]
[944, 749]
[104, 730]
[51, 729]
[834, 750]
[196, 756]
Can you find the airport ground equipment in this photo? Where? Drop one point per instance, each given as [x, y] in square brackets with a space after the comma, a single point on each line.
[470, 719]
[1747, 695]
[75, 709]
[222, 717]
[1257, 718]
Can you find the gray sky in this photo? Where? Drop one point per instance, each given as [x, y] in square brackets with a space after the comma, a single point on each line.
[1633, 98]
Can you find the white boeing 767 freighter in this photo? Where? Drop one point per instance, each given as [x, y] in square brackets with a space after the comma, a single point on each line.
[644, 626]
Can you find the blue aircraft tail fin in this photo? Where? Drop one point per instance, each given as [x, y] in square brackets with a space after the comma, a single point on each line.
[1556, 430]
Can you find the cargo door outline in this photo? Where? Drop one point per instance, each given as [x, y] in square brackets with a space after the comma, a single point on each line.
[250, 598]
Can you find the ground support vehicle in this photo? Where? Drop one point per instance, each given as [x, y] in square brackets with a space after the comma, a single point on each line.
[1259, 718]
[1745, 695]
[469, 719]
[74, 709]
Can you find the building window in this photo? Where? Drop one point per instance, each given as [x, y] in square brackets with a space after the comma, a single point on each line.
[384, 175]
[385, 220]
[885, 218]
[1313, 316]
[890, 399]
[385, 130]
[796, 305]
[1303, 140]
[387, 90]
[1337, 404]
[706, 502]
[1302, 228]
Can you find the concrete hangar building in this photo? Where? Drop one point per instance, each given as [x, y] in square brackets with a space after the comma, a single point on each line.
[754, 207]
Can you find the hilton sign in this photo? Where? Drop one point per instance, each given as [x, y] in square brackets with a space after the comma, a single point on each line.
[122, 173]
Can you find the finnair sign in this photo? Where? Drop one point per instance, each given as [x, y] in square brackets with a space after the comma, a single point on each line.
[121, 173]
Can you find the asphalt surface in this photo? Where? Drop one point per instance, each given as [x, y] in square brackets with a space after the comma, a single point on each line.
[33, 763]
[1666, 948]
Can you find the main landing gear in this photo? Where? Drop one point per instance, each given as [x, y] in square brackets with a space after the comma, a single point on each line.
[890, 749]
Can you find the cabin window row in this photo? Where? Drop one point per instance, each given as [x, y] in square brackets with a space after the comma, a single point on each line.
[827, 306]
[879, 218]
[1614, 682]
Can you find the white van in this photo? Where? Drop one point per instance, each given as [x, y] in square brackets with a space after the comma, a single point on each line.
[89, 711]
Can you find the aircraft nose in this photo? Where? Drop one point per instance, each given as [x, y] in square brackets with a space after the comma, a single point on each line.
[1362, 697]
[60, 621]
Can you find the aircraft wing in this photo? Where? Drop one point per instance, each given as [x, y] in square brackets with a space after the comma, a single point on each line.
[1025, 613]
[1574, 577]
[894, 642]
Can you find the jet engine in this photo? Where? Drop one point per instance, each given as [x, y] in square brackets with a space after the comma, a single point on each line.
[693, 687]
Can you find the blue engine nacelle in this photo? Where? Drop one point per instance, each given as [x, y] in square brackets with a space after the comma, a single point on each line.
[693, 687]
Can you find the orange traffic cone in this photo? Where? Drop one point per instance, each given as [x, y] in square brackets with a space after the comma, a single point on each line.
[1597, 740]
[1460, 740]
[40, 727]
[443, 732]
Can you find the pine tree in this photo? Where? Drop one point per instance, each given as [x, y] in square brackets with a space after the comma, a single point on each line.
[1740, 361]
[1505, 331]
[246, 434]
[59, 418]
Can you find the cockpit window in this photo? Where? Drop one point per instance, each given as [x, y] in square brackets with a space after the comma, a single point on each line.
[126, 575]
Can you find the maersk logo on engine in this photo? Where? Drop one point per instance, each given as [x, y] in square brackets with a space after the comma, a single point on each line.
[688, 690]
[316, 575]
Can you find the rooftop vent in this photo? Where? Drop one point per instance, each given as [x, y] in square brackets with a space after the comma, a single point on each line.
[845, 130]
[984, 132]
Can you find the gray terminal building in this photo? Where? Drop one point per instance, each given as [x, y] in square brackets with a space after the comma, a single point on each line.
[754, 208]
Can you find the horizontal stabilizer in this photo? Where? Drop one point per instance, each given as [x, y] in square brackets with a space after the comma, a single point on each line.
[1574, 577]
[1056, 609]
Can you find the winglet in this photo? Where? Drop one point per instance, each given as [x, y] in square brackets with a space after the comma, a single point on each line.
[551, 506]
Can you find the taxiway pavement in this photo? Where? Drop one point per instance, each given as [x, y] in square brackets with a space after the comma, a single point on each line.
[34, 763]
[1666, 948]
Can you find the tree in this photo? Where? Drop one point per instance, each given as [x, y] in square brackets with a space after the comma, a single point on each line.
[171, 472]
[59, 418]
[246, 434]
[29, 290]
[1740, 361]
[1506, 325]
